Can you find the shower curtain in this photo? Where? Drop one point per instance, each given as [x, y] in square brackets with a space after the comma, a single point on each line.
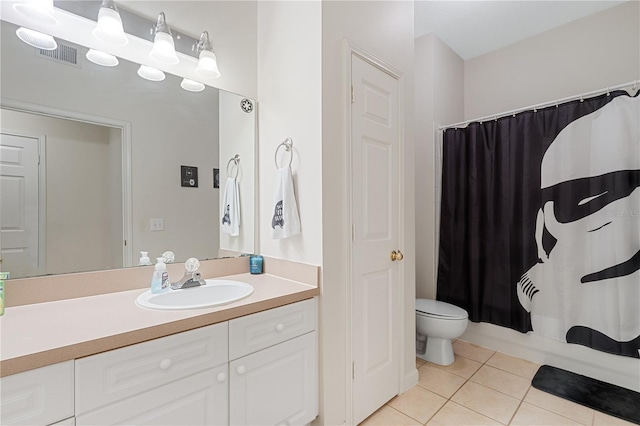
[540, 222]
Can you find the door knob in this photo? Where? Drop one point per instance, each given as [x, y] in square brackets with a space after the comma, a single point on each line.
[396, 255]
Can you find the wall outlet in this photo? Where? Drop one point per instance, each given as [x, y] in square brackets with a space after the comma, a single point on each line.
[156, 225]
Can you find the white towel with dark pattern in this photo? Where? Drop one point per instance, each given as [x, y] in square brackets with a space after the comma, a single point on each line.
[230, 209]
[285, 221]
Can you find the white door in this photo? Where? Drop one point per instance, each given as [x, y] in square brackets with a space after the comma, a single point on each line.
[375, 215]
[19, 205]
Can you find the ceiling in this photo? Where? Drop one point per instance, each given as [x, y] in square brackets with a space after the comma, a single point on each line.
[473, 28]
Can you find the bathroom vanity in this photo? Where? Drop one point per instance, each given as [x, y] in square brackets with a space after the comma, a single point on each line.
[250, 362]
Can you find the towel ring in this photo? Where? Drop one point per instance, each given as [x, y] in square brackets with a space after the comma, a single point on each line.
[236, 161]
[288, 146]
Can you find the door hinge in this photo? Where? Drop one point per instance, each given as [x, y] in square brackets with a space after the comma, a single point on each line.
[353, 232]
[125, 243]
[38, 159]
[353, 94]
[353, 370]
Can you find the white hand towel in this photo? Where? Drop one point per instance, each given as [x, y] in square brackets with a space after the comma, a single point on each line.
[230, 213]
[285, 222]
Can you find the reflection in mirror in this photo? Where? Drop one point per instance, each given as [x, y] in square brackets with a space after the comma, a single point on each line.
[111, 146]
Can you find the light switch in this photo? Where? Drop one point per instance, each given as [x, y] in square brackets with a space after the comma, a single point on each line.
[189, 176]
[156, 225]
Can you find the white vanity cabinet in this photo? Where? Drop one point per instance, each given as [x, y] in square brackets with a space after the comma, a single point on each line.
[273, 368]
[37, 397]
[179, 379]
[259, 369]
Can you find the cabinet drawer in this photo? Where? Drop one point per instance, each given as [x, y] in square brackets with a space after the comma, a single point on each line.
[258, 331]
[111, 376]
[37, 397]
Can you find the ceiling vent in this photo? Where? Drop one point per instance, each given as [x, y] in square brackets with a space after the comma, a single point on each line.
[64, 54]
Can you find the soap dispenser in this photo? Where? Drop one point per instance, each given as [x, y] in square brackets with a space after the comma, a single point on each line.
[144, 259]
[160, 280]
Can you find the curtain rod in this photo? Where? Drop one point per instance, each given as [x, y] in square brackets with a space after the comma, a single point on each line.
[635, 84]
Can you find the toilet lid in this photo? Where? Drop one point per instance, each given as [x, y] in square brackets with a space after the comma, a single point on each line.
[439, 309]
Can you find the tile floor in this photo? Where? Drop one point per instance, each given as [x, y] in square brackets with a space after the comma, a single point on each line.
[482, 387]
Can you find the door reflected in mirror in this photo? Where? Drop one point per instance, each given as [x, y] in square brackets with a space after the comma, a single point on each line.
[111, 146]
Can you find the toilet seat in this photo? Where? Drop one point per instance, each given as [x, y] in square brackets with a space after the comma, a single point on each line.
[437, 309]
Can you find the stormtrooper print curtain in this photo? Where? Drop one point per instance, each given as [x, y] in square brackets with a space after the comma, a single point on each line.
[540, 222]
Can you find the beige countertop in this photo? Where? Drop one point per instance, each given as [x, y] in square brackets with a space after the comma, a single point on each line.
[40, 334]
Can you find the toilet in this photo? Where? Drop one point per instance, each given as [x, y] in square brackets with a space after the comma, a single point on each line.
[439, 322]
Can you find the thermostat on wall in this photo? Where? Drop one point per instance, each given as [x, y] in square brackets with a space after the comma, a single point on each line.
[189, 176]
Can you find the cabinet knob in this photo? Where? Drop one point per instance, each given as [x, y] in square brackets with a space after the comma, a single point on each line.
[240, 370]
[279, 327]
[165, 364]
[221, 377]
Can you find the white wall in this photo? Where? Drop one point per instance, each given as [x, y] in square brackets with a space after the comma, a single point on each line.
[589, 54]
[289, 93]
[78, 192]
[439, 89]
[595, 52]
[385, 29]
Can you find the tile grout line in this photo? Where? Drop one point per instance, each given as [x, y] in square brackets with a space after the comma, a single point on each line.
[450, 399]
[518, 408]
[521, 400]
[403, 413]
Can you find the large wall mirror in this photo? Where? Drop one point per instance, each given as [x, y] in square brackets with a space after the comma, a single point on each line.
[92, 160]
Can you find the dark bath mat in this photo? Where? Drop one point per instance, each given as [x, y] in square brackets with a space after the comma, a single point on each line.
[605, 397]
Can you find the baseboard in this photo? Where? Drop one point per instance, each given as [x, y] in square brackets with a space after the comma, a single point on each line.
[618, 370]
[410, 380]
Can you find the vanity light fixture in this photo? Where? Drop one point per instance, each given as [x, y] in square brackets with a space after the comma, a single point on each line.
[102, 58]
[36, 39]
[109, 26]
[150, 73]
[164, 49]
[207, 62]
[38, 10]
[191, 86]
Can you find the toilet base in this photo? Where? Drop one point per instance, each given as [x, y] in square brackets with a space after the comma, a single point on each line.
[439, 351]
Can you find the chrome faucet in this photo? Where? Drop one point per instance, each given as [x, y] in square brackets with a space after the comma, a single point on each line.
[191, 278]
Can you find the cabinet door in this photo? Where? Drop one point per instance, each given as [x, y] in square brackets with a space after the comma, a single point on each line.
[37, 397]
[200, 399]
[68, 422]
[275, 386]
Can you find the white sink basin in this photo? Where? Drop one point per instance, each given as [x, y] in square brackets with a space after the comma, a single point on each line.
[214, 293]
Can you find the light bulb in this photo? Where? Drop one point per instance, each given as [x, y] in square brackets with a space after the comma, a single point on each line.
[164, 49]
[36, 39]
[208, 64]
[109, 26]
[151, 74]
[102, 58]
[192, 86]
[37, 10]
